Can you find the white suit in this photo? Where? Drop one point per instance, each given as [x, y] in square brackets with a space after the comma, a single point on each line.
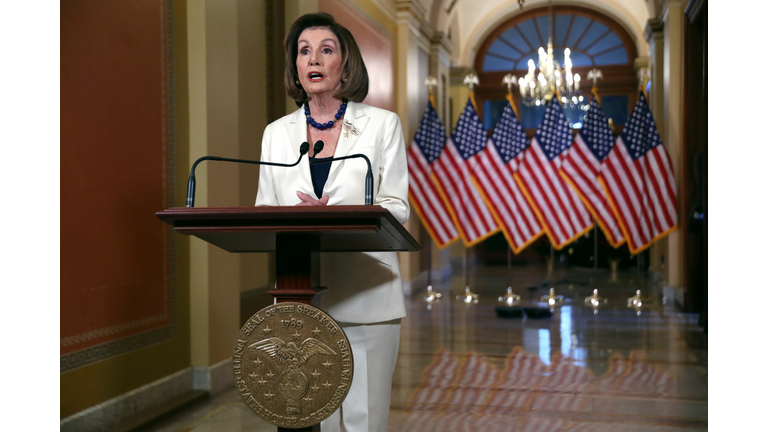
[363, 288]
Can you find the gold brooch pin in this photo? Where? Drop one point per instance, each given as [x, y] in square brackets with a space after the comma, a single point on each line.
[349, 127]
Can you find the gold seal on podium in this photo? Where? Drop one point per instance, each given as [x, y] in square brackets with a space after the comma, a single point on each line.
[292, 364]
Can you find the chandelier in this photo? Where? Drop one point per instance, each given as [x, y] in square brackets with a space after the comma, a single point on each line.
[552, 80]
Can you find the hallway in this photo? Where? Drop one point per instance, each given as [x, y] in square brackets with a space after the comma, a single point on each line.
[462, 367]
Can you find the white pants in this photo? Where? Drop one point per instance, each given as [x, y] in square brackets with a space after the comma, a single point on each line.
[374, 352]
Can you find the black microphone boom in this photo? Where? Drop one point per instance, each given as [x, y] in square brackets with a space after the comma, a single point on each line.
[368, 175]
[191, 183]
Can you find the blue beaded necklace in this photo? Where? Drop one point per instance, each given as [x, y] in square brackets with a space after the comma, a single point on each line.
[324, 126]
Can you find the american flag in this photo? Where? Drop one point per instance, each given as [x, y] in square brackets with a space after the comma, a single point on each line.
[558, 207]
[427, 145]
[638, 178]
[581, 167]
[451, 173]
[493, 170]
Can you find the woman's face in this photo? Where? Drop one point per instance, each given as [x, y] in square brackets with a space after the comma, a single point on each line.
[319, 61]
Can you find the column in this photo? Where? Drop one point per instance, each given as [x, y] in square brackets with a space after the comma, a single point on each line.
[412, 61]
[672, 133]
[225, 81]
[654, 34]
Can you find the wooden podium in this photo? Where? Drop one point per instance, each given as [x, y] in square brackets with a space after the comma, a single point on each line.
[297, 235]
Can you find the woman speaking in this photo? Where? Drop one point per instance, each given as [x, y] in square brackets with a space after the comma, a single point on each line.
[326, 76]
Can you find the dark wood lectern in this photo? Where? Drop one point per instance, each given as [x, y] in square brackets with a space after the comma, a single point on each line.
[297, 235]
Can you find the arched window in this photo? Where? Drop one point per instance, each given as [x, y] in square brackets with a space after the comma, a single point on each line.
[595, 40]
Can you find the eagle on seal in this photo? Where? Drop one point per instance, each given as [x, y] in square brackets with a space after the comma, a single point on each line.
[288, 353]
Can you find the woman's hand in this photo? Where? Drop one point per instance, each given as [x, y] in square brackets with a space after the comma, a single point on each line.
[307, 200]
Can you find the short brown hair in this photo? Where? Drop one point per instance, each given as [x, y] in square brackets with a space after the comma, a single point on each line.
[355, 85]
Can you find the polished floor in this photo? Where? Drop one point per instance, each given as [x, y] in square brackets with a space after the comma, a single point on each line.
[465, 368]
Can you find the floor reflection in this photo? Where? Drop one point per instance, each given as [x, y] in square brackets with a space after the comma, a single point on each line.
[608, 368]
[462, 367]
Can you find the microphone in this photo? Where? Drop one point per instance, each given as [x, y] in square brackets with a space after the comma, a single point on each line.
[317, 148]
[368, 175]
[303, 149]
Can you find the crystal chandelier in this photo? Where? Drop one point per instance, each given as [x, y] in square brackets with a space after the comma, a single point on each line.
[553, 79]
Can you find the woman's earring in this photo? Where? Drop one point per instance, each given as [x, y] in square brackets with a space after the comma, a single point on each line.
[298, 84]
[343, 81]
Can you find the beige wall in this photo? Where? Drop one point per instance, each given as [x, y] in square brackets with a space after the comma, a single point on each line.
[227, 85]
[256, 271]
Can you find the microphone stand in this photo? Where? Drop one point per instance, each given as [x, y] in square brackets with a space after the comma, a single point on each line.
[191, 183]
[368, 175]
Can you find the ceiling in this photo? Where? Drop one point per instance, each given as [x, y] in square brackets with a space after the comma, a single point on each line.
[591, 43]
[470, 22]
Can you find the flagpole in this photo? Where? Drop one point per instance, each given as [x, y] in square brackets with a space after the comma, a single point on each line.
[595, 75]
[430, 296]
[430, 82]
[471, 81]
[466, 268]
[509, 80]
[594, 268]
[551, 246]
[558, 97]
[551, 268]
[428, 245]
[644, 77]
[509, 266]
[595, 94]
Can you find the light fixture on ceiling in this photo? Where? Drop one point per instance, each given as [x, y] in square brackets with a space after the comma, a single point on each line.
[536, 89]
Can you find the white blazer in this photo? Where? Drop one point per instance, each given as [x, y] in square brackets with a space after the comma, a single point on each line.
[362, 287]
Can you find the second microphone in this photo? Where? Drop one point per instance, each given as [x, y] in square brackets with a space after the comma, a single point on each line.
[318, 147]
